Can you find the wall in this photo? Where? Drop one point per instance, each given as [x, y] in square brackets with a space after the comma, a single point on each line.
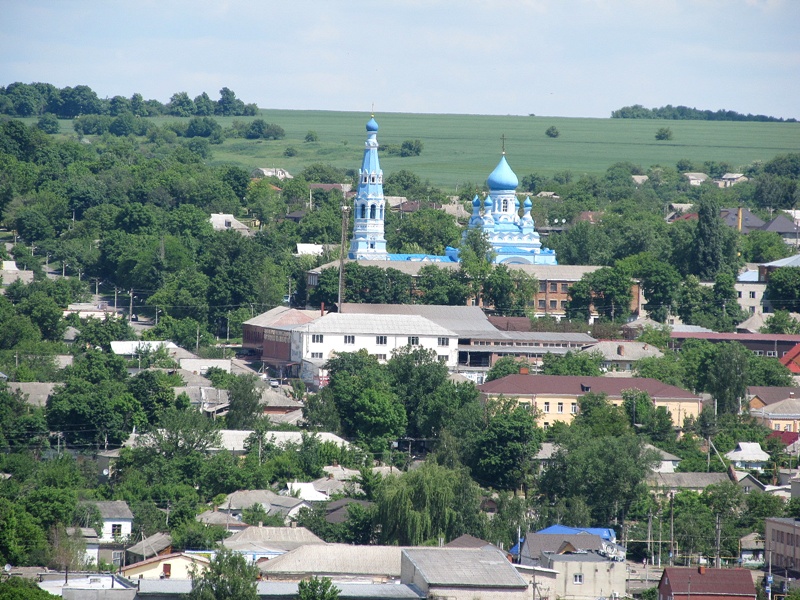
[600, 579]
[180, 569]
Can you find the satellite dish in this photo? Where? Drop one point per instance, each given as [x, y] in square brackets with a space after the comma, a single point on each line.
[7, 568]
[105, 472]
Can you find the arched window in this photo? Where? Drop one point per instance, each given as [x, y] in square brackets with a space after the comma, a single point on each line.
[381, 213]
[373, 178]
[363, 211]
[372, 212]
[505, 204]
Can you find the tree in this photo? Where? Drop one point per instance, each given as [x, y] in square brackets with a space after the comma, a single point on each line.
[663, 133]
[573, 363]
[727, 377]
[476, 256]
[782, 322]
[227, 577]
[505, 365]
[317, 589]
[244, 396]
[311, 136]
[48, 123]
[709, 239]
[783, 288]
[552, 132]
[19, 588]
[442, 286]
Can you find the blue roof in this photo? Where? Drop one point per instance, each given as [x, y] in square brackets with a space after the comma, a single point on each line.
[607, 534]
[502, 178]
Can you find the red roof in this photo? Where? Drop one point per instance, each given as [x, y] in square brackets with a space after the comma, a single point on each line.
[574, 385]
[716, 582]
[787, 437]
[791, 360]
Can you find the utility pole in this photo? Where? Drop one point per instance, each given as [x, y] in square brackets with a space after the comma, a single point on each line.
[717, 558]
[130, 310]
[345, 210]
[671, 529]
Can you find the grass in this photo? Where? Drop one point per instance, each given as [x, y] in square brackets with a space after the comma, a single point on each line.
[461, 149]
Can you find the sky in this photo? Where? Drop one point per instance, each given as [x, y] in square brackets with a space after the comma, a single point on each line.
[571, 58]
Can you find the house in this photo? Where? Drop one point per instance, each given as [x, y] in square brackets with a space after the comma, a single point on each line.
[746, 481]
[462, 573]
[202, 365]
[34, 393]
[761, 396]
[224, 222]
[9, 273]
[337, 510]
[751, 550]
[221, 519]
[702, 583]
[91, 543]
[639, 179]
[783, 415]
[761, 344]
[586, 565]
[278, 173]
[669, 462]
[343, 562]
[621, 355]
[468, 541]
[555, 397]
[177, 565]
[259, 542]
[791, 360]
[786, 228]
[93, 310]
[633, 329]
[748, 455]
[729, 179]
[604, 533]
[117, 519]
[157, 544]
[696, 178]
[672, 483]
[741, 219]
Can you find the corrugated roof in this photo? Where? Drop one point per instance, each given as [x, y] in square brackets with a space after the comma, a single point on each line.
[337, 559]
[365, 324]
[630, 350]
[460, 319]
[512, 385]
[791, 261]
[272, 538]
[748, 451]
[112, 509]
[152, 545]
[465, 567]
[283, 315]
[686, 480]
[242, 499]
[737, 337]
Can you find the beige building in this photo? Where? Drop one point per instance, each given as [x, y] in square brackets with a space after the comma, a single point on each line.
[782, 541]
[555, 397]
[783, 415]
[177, 565]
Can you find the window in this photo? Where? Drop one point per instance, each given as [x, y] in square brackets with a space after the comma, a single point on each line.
[372, 210]
[442, 358]
[565, 288]
[542, 287]
[116, 557]
[541, 304]
[316, 338]
[316, 355]
[563, 305]
[547, 407]
[772, 353]
[380, 340]
[577, 578]
[758, 352]
[546, 425]
[738, 294]
[560, 407]
[116, 529]
[380, 356]
[349, 339]
[752, 310]
[574, 408]
[752, 295]
[553, 304]
[413, 340]
[444, 341]
[553, 287]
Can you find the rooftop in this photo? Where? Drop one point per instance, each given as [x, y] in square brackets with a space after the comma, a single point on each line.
[465, 567]
[513, 385]
[337, 559]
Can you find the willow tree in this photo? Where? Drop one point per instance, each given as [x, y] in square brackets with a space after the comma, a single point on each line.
[428, 503]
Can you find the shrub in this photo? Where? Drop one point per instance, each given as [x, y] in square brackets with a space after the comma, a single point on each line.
[552, 132]
[664, 133]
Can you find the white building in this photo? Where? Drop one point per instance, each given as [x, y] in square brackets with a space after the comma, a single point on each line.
[748, 455]
[313, 344]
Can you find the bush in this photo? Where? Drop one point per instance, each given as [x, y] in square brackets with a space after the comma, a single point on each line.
[48, 123]
[311, 136]
[260, 129]
[552, 132]
[290, 151]
[664, 133]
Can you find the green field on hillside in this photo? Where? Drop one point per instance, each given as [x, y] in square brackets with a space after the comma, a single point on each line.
[461, 149]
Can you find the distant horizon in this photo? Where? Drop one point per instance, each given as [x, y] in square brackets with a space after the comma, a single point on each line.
[570, 58]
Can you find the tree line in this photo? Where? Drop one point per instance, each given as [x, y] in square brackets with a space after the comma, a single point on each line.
[38, 99]
[680, 112]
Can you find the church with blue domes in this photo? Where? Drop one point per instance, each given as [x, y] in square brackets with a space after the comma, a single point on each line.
[513, 238]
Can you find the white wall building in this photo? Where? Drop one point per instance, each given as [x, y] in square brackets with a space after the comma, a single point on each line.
[313, 344]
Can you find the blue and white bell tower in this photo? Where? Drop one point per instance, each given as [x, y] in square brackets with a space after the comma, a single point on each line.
[369, 242]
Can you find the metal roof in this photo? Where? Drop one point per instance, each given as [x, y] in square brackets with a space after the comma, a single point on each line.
[464, 567]
[336, 323]
[337, 559]
[576, 385]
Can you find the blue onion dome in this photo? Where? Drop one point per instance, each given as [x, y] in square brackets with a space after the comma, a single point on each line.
[476, 202]
[502, 178]
[488, 203]
[372, 125]
[528, 204]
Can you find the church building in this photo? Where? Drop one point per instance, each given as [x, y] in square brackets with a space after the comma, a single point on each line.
[513, 238]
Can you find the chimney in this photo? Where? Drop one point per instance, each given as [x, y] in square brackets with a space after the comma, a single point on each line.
[294, 524]
[701, 569]
[261, 523]
[739, 220]
[621, 350]
[322, 309]
[791, 394]
[524, 370]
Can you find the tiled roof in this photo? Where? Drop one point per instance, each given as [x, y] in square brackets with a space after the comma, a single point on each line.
[465, 567]
[512, 385]
[718, 582]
